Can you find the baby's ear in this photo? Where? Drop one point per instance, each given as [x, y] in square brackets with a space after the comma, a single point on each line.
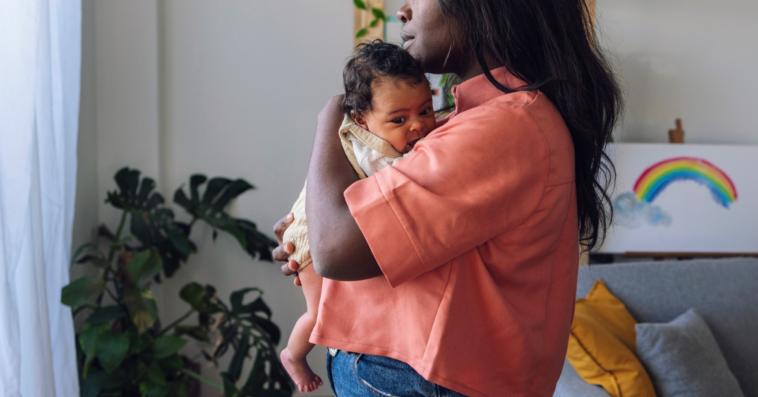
[358, 118]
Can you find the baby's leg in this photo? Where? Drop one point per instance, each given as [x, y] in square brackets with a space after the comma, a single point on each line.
[298, 347]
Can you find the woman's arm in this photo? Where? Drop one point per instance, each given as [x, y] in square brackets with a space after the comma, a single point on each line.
[338, 248]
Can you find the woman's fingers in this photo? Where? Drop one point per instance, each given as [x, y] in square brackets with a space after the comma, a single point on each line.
[289, 269]
[282, 252]
[282, 225]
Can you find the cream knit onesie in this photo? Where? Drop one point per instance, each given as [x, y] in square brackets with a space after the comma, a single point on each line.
[368, 154]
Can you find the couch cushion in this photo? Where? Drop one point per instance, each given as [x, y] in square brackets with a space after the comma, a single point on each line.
[602, 345]
[572, 385]
[723, 291]
[684, 360]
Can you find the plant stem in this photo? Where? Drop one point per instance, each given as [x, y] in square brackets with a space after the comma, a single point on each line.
[108, 290]
[202, 379]
[111, 253]
[117, 237]
[175, 323]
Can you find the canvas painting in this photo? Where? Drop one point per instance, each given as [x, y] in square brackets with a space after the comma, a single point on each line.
[684, 198]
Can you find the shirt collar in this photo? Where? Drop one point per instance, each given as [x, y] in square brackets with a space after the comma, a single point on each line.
[479, 90]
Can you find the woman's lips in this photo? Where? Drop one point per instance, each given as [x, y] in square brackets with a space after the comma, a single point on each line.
[407, 39]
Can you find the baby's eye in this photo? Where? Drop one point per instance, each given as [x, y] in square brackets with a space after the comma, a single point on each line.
[398, 120]
[426, 111]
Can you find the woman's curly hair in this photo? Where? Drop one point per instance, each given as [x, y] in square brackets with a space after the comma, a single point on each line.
[372, 60]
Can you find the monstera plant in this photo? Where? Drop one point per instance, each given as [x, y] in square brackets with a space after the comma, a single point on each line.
[122, 348]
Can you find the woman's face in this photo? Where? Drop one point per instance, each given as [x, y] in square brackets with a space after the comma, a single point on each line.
[429, 35]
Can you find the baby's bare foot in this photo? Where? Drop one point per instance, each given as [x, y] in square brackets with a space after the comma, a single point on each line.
[301, 373]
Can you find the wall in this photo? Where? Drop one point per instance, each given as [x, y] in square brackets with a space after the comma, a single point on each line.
[229, 88]
[243, 83]
[692, 59]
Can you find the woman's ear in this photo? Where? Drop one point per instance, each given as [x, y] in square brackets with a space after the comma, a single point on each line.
[358, 118]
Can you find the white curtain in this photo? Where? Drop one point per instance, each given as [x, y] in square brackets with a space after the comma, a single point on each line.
[40, 60]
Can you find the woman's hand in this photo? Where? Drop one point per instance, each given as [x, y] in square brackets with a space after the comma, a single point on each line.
[283, 251]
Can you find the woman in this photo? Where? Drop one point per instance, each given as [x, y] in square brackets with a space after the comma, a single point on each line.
[454, 272]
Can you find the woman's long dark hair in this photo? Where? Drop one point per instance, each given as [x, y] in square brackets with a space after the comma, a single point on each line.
[551, 45]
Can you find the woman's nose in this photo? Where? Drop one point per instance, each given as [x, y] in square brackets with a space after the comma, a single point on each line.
[404, 14]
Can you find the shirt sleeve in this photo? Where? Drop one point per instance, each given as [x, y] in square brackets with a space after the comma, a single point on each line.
[481, 174]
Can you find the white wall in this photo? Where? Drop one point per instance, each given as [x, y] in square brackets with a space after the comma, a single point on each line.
[225, 88]
[693, 59]
[243, 84]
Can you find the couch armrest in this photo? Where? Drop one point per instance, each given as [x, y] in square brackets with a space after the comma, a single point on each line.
[571, 384]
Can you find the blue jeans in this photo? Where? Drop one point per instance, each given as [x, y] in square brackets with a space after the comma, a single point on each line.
[364, 375]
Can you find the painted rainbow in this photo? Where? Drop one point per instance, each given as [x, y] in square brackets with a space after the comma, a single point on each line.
[657, 177]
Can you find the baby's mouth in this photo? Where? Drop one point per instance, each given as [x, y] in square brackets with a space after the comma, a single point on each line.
[411, 145]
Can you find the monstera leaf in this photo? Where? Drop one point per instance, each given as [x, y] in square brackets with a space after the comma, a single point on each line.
[150, 222]
[254, 331]
[210, 208]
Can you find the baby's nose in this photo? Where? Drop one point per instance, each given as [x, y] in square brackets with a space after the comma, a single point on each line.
[417, 126]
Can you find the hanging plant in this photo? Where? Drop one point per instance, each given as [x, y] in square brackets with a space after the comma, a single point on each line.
[377, 15]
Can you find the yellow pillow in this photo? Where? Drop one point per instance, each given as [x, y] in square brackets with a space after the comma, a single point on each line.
[602, 345]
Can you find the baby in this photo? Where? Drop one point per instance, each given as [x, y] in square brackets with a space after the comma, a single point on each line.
[388, 108]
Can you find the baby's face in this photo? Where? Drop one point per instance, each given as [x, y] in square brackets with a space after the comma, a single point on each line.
[401, 113]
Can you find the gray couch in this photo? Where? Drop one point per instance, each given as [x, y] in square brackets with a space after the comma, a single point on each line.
[724, 292]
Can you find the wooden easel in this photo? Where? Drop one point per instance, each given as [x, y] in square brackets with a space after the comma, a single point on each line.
[677, 135]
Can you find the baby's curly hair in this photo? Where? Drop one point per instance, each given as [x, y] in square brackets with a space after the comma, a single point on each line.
[376, 59]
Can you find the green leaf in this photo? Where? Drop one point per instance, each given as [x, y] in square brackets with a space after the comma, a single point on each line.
[156, 374]
[378, 13]
[213, 189]
[127, 180]
[374, 23]
[81, 291]
[268, 327]
[172, 364]
[166, 346]
[144, 266]
[230, 390]
[199, 297]
[235, 366]
[236, 299]
[195, 181]
[147, 186]
[362, 32]
[139, 342]
[359, 4]
[142, 308]
[106, 314]
[180, 241]
[230, 192]
[96, 260]
[152, 389]
[207, 381]
[80, 250]
[257, 376]
[197, 332]
[112, 347]
[88, 342]
[97, 381]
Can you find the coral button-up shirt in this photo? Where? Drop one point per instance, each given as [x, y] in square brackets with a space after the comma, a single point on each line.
[476, 234]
